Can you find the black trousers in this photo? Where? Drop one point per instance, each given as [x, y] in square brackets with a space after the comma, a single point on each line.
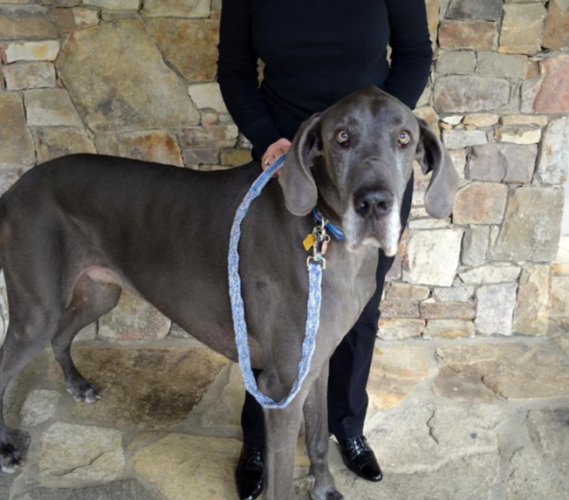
[349, 366]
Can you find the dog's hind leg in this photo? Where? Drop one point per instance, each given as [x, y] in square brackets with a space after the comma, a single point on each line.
[24, 340]
[317, 437]
[90, 301]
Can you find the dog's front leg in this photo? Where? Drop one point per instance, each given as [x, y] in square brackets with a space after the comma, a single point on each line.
[317, 438]
[282, 428]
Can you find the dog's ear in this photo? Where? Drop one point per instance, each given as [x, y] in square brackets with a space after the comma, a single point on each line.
[296, 178]
[432, 157]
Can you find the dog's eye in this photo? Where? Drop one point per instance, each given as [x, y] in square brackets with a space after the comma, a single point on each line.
[404, 138]
[343, 137]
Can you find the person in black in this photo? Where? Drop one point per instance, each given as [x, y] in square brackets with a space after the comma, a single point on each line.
[316, 52]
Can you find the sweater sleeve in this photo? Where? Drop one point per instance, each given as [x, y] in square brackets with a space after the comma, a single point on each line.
[238, 77]
[412, 53]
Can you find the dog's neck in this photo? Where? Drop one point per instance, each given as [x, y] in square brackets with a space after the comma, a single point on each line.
[328, 196]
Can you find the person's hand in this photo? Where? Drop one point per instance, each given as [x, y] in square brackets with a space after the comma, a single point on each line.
[274, 151]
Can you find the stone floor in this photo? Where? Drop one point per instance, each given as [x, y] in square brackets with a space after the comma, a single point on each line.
[449, 419]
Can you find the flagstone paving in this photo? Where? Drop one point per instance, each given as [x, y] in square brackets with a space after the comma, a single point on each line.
[468, 419]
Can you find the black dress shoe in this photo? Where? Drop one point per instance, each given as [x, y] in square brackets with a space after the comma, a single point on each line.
[250, 472]
[359, 458]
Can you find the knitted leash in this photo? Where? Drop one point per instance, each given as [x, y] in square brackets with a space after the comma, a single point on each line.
[315, 267]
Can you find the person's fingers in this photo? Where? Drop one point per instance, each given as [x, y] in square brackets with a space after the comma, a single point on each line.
[274, 151]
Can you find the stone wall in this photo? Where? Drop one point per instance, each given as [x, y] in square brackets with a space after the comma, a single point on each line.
[137, 78]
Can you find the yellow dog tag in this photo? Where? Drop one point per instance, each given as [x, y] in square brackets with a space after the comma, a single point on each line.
[309, 242]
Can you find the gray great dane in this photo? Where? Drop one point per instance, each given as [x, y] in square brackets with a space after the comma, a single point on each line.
[77, 229]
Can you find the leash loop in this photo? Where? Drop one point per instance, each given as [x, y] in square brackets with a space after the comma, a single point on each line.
[238, 308]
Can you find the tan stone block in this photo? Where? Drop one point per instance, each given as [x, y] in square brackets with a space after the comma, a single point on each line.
[522, 28]
[235, 157]
[471, 94]
[84, 453]
[457, 139]
[462, 386]
[429, 223]
[184, 467]
[552, 167]
[395, 372]
[559, 298]
[495, 309]
[119, 94]
[447, 310]
[143, 387]
[32, 75]
[509, 371]
[556, 34]
[432, 257]
[514, 134]
[405, 292]
[115, 4]
[159, 147]
[485, 275]
[190, 46]
[207, 95]
[502, 163]
[26, 22]
[399, 309]
[513, 66]
[452, 120]
[524, 120]
[531, 315]
[50, 107]
[457, 293]
[475, 245]
[532, 226]
[458, 157]
[29, 51]
[433, 7]
[16, 145]
[469, 10]
[223, 136]
[449, 329]
[478, 35]
[177, 8]
[399, 329]
[480, 203]
[481, 120]
[53, 142]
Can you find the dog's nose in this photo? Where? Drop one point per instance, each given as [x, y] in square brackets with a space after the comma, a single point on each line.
[373, 202]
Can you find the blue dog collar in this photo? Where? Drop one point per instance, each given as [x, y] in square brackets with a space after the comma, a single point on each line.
[331, 228]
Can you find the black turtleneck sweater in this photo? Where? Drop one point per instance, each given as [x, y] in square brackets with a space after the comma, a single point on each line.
[315, 53]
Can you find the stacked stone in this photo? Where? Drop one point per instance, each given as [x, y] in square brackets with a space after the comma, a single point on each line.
[499, 98]
[113, 77]
[137, 79]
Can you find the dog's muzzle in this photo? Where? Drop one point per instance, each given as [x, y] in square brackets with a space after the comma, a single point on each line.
[373, 219]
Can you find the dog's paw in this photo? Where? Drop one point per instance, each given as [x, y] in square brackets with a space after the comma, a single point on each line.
[327, 494]
[84, 392]
[10, 458]
[334, 494]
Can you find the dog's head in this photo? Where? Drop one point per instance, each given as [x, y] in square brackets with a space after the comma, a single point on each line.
[367, 143]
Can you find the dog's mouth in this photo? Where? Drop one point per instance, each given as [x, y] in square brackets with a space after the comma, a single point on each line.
[381, 232]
